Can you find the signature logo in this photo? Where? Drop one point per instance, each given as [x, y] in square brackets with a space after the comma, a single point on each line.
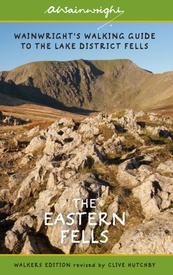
[107, 12]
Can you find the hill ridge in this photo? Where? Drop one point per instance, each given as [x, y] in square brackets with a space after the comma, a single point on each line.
[102, 85]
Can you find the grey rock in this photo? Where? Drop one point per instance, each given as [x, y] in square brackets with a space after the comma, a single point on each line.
[22, 225]
[113, 145]
[166, 167]
[42, 205]
[153, 194]
[112, 208]
[26, 159]
[82, 189]
[125, 177]
[35, 144]
[4, 194]
[152, 237]
[30, 246]
[33, 132]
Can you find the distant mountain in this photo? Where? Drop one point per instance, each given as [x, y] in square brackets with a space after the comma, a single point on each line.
[94, 85]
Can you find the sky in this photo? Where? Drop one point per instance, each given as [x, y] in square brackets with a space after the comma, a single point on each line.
[155, 56]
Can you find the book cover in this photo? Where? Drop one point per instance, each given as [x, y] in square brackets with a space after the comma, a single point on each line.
[86, 181]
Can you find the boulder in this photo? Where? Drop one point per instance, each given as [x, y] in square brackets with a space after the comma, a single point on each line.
[21, 226]
[154, 194]
[125, 176]
[85, 188]
[33, 132]
[35, 144]
[165, 167]
[151, 237]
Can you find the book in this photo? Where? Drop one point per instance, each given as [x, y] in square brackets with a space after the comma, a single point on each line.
[86, 137]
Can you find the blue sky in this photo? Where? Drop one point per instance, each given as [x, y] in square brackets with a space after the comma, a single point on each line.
[158, 57]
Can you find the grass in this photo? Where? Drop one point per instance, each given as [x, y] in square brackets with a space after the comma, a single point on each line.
[130, 142]
[36, 113]
[18, 247]
[155, 139]
[130, 205]
[118, 114]
[106, 170]
[55, 198]
[106, 131]
[171, 205]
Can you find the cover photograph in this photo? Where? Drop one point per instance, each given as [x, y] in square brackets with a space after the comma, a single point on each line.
[86, 137]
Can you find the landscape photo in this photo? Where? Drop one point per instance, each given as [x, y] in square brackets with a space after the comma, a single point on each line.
[86, 139]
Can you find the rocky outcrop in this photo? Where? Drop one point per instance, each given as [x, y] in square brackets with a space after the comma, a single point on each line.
[85, 188]
[113, 160]
[152, 237]
[11, 120]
